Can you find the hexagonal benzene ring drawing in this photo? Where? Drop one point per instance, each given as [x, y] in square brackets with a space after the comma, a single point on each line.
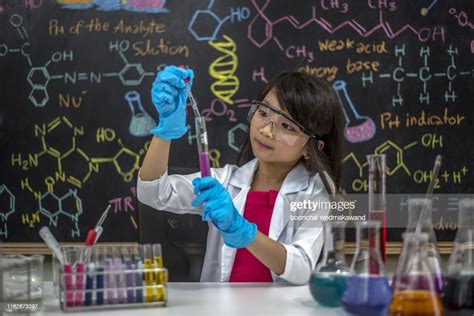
[38, 77]
[206, 21]
[390, 148]
[133, 163]
[62, 134]
[128, 71]
[71, 206]
[231, 135]
[48, 209]
[39, 96]
[265, 29]
[7, 207]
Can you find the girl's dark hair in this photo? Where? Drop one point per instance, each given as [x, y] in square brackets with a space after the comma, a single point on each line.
[313, 103]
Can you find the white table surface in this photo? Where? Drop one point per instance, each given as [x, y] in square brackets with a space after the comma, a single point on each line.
[216, 299]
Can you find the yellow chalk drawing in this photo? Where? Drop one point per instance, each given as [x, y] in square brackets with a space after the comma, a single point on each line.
[223, 69]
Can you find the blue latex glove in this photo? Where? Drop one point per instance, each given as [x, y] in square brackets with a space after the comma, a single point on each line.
[220, 210]
[169, 94]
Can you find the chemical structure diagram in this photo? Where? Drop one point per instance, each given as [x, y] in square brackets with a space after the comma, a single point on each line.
[73, 167]
[7, 208]
[424, 74]
[38, 77]
[205, 25]
[260, 29]
[396, 163]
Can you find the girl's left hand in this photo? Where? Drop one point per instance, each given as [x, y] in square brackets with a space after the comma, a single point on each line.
[220, 210]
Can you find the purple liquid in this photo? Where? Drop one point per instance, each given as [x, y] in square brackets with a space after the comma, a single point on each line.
[204, 164]
[367, 295]
[418, 282]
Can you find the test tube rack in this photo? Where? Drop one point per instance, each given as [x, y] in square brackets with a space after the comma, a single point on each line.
[142, 287]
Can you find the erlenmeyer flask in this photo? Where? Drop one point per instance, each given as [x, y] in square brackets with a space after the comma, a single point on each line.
[414, 284]
[377, 200]
[458, 297]
[419, 213]
[367, 290]
[328, 280]
[358, 128]
[141, 122]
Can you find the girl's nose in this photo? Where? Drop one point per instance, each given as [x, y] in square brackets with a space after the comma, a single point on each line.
[267, 130]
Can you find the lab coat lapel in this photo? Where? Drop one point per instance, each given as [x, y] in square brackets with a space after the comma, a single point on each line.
[241, 181]
[296, 181]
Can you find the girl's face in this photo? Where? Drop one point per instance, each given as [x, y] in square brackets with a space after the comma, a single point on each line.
[264, 145]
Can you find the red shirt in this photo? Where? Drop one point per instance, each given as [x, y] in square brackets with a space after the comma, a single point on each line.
[258, 210]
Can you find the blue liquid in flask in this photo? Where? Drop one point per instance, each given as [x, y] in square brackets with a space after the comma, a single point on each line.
[141, 122]
[367, 295]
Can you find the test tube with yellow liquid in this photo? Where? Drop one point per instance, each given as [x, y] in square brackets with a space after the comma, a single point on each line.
[149, 275]
[160, 276]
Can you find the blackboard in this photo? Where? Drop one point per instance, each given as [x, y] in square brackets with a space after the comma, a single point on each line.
[73, 70]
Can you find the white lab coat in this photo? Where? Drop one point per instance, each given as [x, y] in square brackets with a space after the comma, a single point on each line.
[174, 193]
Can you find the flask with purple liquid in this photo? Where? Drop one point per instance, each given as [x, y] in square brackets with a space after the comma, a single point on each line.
[367, 290]
[420, 213]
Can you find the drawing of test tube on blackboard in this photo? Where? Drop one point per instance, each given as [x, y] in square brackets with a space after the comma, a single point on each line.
[141, 122]
[75, 4]
[108, 5]
[357, 128]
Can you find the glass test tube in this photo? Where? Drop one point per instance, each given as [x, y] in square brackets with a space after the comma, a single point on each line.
[138, 264]
[203, 146]
[148, 275]
[120, 278]
[129, 274]
[99, 274]
[159, 276]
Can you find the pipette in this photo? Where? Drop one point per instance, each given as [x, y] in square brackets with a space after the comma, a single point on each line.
[52, 243]
[94, 234]
[191, 97]
[429, 192]
[201, 130]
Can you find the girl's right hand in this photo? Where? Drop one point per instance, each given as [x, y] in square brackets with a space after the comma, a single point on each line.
[169, 94]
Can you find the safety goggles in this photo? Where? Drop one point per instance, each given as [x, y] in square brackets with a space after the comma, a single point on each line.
[284, 128]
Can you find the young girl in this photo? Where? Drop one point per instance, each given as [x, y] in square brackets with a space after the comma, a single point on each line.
[293, 146]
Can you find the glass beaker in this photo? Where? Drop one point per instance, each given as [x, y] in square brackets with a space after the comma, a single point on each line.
[377, 199]
[419, 213]
[328, 280]
[414, 283]
[141, 122]
[22, 278]
[458, 297]
[367, 290]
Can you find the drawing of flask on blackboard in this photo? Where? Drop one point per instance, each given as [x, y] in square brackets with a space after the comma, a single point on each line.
[357, 128]
[141, 122]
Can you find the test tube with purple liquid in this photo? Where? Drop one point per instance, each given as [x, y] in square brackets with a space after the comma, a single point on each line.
[201, 131]
[203, 147]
